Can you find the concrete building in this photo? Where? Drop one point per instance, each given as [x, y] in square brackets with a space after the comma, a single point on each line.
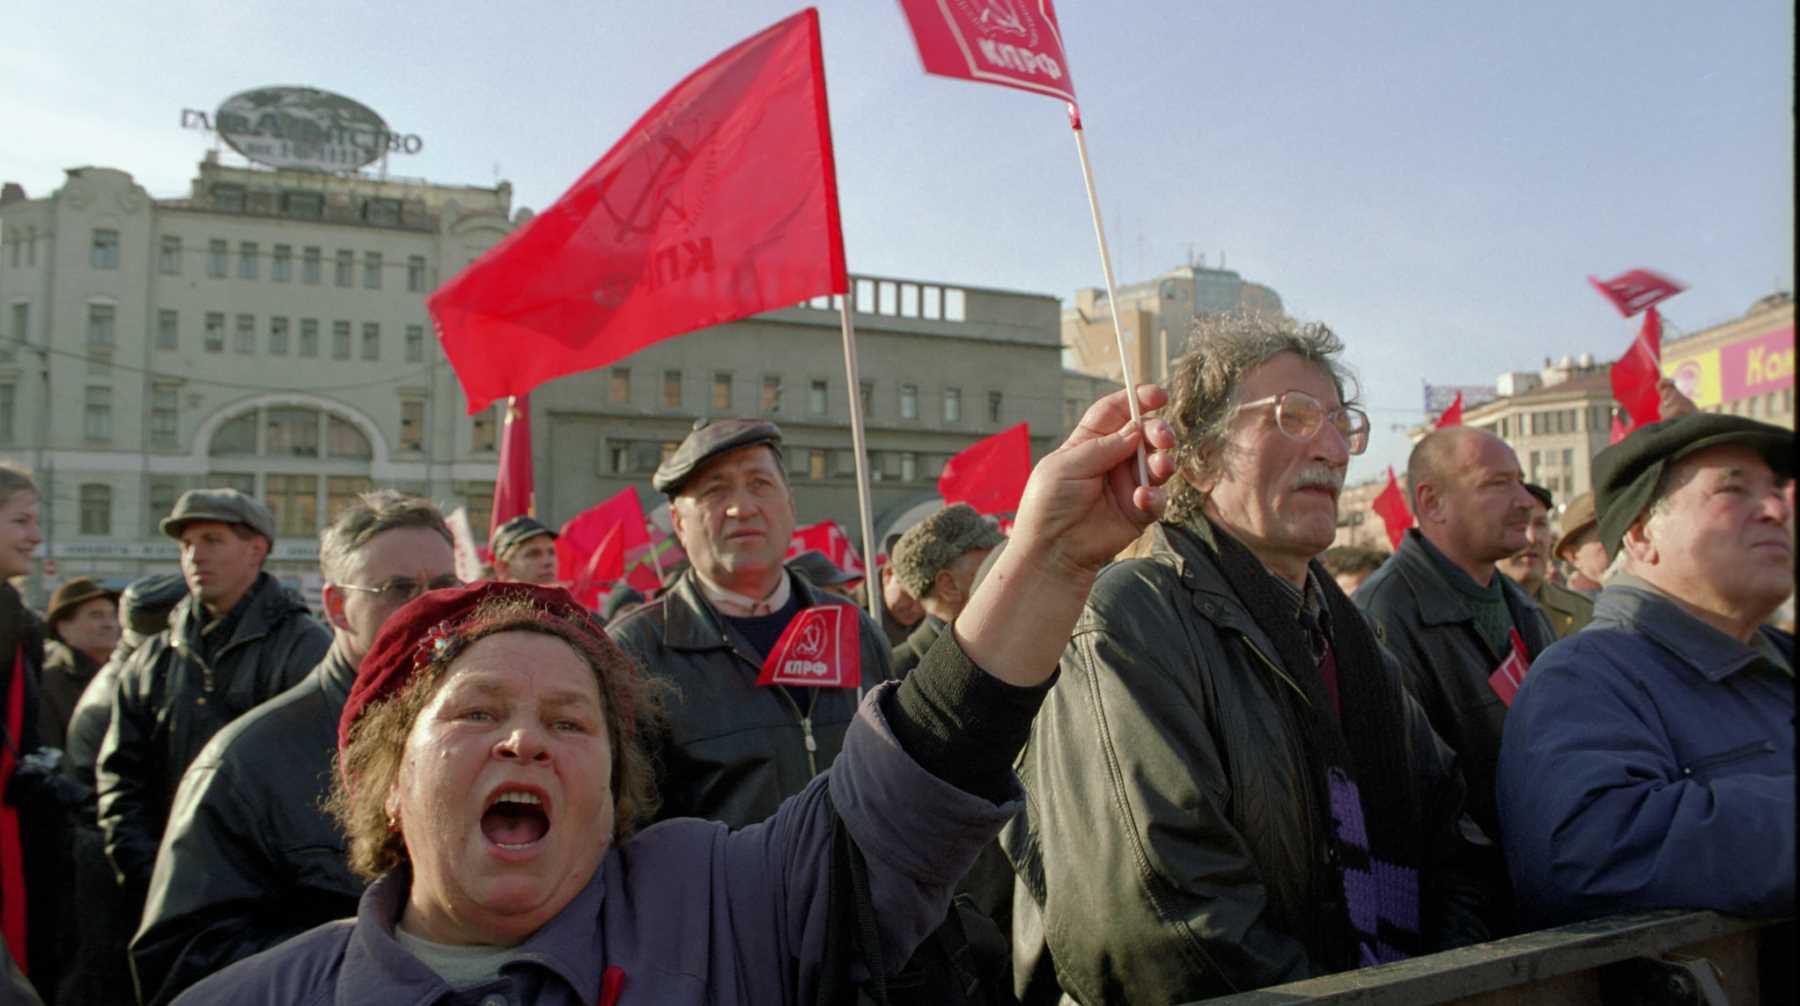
[1744, 366]
[1155, 316]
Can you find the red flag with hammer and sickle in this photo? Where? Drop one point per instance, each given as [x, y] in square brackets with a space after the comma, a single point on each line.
[820, 648]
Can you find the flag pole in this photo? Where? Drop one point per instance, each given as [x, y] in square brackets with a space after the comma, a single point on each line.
[871, 582]
[656, 560]
[1112, 293]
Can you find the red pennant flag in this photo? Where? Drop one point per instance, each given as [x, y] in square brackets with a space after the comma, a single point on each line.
[513, 490]
[601, 570]
[1390, 506]
[1014, 43]
[990, 475]
[720, 202]
[587, 530]
[1636, 290]
[1452, 416]
[827, 537]
[1618, 431]
[1507, 678]
[1635, 376]
[820, 648]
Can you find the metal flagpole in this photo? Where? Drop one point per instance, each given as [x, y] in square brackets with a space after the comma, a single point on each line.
[871, 580]
[1112, 293]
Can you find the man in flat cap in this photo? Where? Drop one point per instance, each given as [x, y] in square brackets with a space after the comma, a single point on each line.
[1580, 547]
[936, 560]
[238, 639]
[1530, 569]
[524, 551]
[826, 575]
[1649, 758]
[83, 622]
[733, 749]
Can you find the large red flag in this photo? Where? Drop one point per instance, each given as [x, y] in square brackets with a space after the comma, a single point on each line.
[990, 475]
[1636, 290]
[1634, 377]
[513, 486]
[1015, 43]
[587, 530]
[719, 203]
[1391, 507]
[1451, 416]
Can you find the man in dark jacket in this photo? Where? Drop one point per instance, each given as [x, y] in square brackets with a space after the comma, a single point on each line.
[1230, 788]
[1649, 759]
[237, 640]
[1459, 627]
[251, 858]
[83, 621]
[735, 749]
[1566, 610]
[936, 560]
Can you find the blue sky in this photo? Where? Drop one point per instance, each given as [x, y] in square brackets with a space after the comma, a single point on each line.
[1433, 180]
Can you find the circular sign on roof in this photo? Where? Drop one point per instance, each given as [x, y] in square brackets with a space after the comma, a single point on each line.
[306, 128]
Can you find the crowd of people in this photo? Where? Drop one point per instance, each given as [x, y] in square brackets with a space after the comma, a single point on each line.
[1159, 743]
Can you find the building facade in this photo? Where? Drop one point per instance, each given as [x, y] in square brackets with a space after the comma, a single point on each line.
[1156, 316]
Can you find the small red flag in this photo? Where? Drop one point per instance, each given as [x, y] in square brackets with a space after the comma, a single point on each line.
[601, 570]
[1635, 376]
[1451, 416]
[820, 648]
[990, 475]
[1507, 678]
[830, 539]
[1014, 43]
[513, 485]
[1636, 290]
[719, 203]
[587, 531]
[1390, 506]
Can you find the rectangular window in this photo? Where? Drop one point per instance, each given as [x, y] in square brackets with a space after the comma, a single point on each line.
[415, 274]
[341, 491]
[815, 463]
[340, 340]
[96, 508]
[97, 416]
[372, 270]
[868, 398]
[278, 337]
[247, 260]
[229, 198]
[293, 501]
[168, 257]
[215, 259]
[382, 212]
[618, 389]
[909, 466]
[909, 401]
[164, 417]
[1568, 457]
[215, 332]
[671, 395]
[482, 437]
[310, 265]
[21, 328]
[415, 344]
[721, 391]
[309, 337]
[346, 265]
[771, 395]
[161, 499]
[168, 329]
[100, 326]
[371, 341]
[952, 405]
[105, 251]
[291, 432]
[1536, 458]
[281, 264]
[994, 407]
[246, 333]
[816, 394]
[8, 396]
[412, 424]
[303, 205]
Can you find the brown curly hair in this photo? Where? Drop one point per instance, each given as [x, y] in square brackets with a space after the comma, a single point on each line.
[631, 701]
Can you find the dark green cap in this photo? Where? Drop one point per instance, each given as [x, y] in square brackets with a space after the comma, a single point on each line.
[1625, 474]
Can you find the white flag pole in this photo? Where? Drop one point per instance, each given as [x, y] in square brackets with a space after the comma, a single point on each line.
[871, 579]
[1112, 293]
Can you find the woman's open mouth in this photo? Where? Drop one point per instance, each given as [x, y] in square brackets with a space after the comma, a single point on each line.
[516, 818]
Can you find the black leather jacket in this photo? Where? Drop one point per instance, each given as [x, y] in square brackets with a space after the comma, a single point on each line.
[1171, 848]
[251, 858]
[734, 751]
[170, 701]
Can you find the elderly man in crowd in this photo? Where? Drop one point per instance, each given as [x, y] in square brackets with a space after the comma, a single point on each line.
[251, 857]
[734, 749]
[1579, 546]
[900, 611]
[83, 620]
[1530, 569]
[936, 560]
[1649, 759]
[1230, 788]
[824, 574]
[237, 640]
[1453, 620]
[524, 551]
[1351, 565]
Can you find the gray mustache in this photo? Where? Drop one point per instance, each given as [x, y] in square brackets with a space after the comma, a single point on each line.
[1321, 477]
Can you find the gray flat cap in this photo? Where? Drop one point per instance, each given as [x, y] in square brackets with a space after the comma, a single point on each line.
[516, 532]
[709, 439]
[220, 506]
[931, 545]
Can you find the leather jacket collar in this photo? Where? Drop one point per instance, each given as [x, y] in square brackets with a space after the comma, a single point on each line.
[690, 622]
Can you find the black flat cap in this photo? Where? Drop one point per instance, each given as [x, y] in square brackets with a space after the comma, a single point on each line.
[147, 601]
[709, 439]
[818, 567]
[516, 532]
[1625, 474]
[1541, 494]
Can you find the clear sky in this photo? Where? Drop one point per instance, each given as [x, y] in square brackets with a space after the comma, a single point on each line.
[1434, 180]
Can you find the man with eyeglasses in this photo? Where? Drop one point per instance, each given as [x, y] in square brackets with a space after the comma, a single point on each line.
[1464, 633]
[1230, 788]
[251, 856]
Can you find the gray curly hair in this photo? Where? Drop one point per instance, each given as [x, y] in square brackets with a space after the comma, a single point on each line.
[1203, 388]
